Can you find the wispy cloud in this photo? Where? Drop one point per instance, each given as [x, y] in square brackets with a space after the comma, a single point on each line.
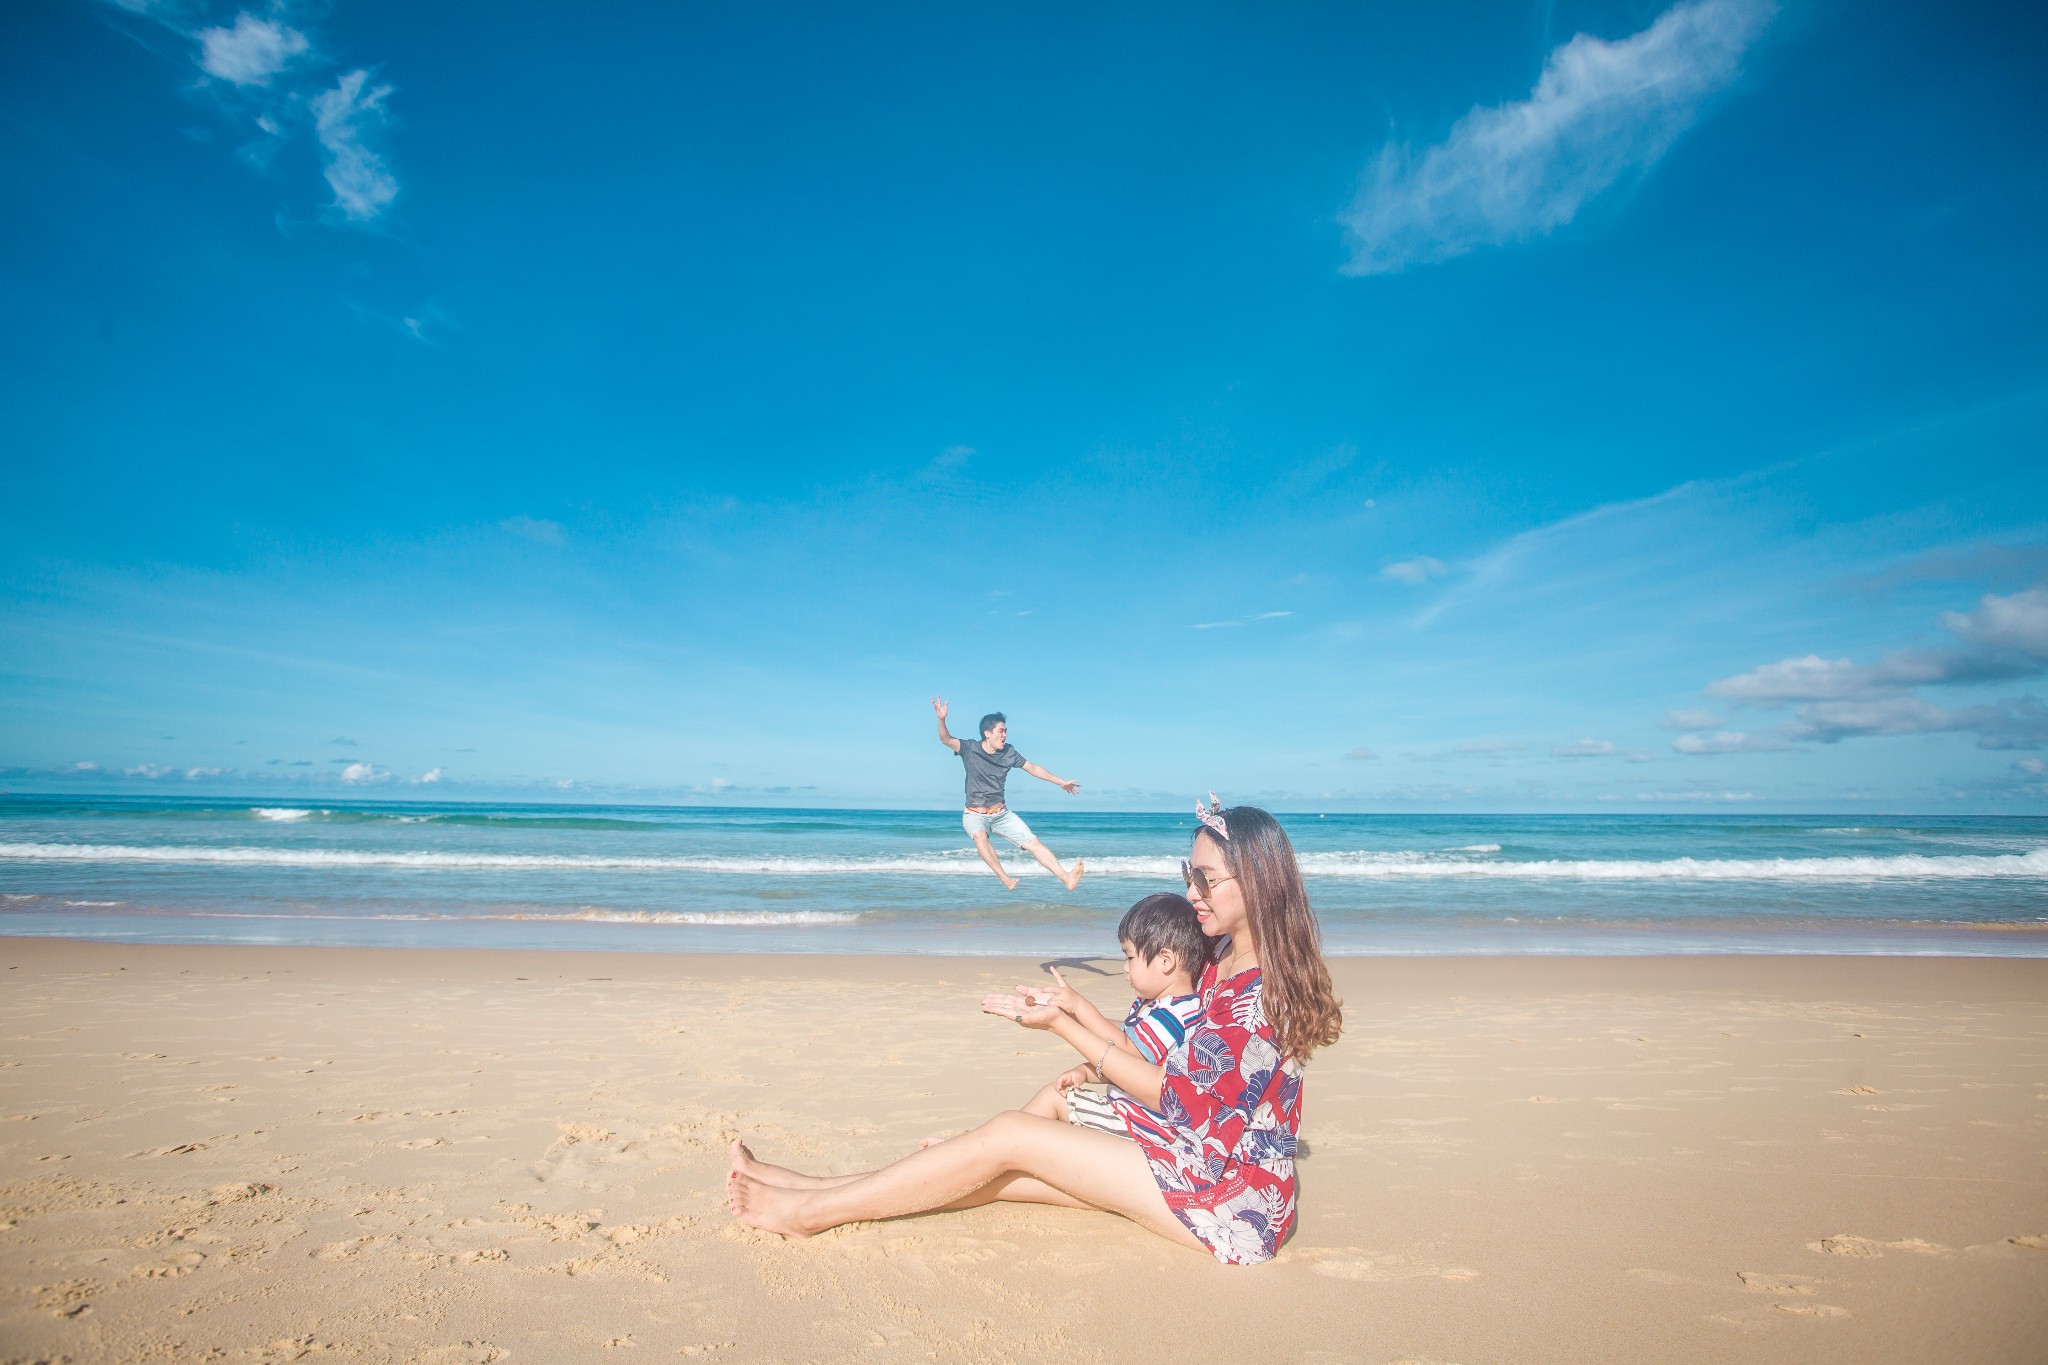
[1728, 742]
[250, 52]
[1241, 621]
[1361, 754]
[269, 74]
[1599, 111]
[1418, 570]
[2001, 638]
[343, 119]
[1692, 720]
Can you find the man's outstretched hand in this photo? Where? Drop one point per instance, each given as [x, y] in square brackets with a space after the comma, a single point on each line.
[1070, 787]
[939, 705]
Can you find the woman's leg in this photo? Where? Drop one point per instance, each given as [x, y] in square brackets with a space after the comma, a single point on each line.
[1057, 1162]
[744, 1162]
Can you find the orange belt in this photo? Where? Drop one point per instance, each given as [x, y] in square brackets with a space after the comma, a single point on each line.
[984, 810]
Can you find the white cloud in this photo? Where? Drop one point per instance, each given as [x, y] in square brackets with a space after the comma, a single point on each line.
[1828, 721]
[1243, 620]
[251, 52]
[363, 187]
[2018, 623]
[2000, 638]
[428, 778]
[363, 772]
[267, 74]
[534, 529]
[1584, 748]
[2033, 767]
[1808, 679]
[149, 770]
[85, 765]
[1420, 569]
[1599, 111]
[1674, 797]
[1362, 754]
[1728, 742]
[1692, 720]
[200, 774]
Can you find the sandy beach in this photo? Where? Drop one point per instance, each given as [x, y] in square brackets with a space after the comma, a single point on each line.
[268, 1154]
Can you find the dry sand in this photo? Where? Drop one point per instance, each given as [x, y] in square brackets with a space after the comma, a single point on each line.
[258, 1154]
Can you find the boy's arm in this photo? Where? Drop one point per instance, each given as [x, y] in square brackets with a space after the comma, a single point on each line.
[1069, 787]
[1120, 1066]
[945, 736]
[1139, 1078]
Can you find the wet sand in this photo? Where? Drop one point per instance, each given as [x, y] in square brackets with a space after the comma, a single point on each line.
[271, 1154]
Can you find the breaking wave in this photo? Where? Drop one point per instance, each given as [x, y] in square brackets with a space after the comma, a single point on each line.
[1462, 863]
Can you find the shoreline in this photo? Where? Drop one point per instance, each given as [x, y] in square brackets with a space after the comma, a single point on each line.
[451, 1155]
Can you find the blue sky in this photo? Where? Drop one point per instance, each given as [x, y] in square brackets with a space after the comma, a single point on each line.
[1448, 406]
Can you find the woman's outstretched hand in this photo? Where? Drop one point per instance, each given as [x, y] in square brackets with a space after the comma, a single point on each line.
[1021, 1007]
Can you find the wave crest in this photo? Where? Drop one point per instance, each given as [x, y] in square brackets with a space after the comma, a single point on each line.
[960, 863]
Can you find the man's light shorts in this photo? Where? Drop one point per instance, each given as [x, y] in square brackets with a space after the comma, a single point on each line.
[1008, 824]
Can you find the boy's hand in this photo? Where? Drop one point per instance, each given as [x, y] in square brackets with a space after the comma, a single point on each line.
[1062, 996]
[1021, 1009]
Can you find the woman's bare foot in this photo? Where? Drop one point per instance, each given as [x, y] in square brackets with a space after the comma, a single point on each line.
[1073, 879]
[745, 1163]
[767, 1207]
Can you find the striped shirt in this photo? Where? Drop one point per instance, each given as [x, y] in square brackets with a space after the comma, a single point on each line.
[1160, 1026]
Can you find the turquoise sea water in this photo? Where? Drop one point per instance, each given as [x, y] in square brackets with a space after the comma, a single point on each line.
[663, 879]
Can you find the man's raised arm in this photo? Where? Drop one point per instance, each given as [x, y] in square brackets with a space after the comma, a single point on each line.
[945, 737]
[1068, 787]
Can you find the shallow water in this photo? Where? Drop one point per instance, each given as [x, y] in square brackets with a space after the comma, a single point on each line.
[692, 880]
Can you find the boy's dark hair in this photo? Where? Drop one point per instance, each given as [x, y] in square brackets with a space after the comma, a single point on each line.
[991, 721]
[1164, 920]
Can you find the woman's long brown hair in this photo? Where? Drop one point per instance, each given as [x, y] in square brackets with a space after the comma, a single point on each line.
[1295, 988]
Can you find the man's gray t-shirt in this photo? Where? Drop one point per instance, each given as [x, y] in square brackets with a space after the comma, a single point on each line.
[986, 772]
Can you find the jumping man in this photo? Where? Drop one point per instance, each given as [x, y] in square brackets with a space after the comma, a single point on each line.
[988, 768]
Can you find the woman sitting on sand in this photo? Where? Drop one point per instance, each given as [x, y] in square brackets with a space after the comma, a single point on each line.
[1218, 1173]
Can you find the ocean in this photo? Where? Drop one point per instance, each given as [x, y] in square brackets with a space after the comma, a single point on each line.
[667, 879]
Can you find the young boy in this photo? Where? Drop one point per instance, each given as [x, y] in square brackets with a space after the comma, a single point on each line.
[1165, 952]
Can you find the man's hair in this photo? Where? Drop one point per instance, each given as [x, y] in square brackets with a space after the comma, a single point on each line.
[1162, 921]
[991, 721]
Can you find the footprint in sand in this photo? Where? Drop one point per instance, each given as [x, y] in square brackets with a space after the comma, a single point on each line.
[419, 1144]
[1812, 1310]
[1848, 1244]
[236, 1193]
[170, 1267]
[1859, 1090]
[577, 1153]
[1352, 1263]
[1776, 1284]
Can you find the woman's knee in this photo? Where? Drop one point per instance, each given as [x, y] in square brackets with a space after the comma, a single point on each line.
[1009, 1130]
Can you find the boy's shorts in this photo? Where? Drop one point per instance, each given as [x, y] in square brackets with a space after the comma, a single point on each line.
[1006, 822]
[1089, 1107]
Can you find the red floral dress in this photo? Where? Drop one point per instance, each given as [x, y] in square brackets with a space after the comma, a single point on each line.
[1222, 1142]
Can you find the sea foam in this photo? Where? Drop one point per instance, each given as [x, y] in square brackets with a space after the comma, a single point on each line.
[1348, 865]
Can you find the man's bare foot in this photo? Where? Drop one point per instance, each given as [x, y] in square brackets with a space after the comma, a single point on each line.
[1009, 882]
[767, 1207]
[1073, 879]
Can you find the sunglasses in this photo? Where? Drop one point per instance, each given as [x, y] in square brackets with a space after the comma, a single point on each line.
[1199, 881]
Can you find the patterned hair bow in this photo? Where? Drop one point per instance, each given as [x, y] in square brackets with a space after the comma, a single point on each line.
[1212, 816]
